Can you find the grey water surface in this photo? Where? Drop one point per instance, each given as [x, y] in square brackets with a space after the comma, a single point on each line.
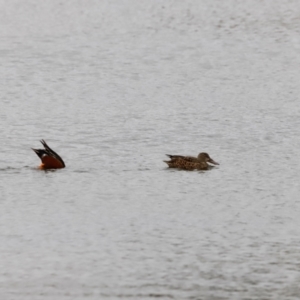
[113, 86]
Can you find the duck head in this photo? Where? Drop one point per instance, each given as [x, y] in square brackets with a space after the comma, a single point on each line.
[204, 157]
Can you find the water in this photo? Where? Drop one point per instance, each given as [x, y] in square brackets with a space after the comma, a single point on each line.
[114, 86]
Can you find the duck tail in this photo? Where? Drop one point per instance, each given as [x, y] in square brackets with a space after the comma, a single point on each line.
[167, 162]
[52, 152]
[39, 152]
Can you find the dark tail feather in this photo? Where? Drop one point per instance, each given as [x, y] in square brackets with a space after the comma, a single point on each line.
[46, 146]
[39, 152]
[167, 162]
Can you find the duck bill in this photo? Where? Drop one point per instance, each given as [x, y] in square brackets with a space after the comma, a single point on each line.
[213, 162]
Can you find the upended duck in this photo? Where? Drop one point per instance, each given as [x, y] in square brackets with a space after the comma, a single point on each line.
[50, 159]
[190, 163]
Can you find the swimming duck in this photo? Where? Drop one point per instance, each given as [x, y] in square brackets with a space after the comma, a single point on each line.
[190, 162]
[49, 158]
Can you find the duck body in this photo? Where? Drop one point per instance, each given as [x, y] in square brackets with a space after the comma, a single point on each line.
[50, 159]
[191, 163]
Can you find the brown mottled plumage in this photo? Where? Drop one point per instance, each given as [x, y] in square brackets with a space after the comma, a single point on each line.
[190, 162]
